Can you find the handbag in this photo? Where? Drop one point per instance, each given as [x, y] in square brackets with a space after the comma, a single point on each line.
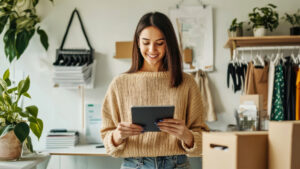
[74, 57]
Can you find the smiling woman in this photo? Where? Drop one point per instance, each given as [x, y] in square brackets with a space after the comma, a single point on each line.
[154, 79]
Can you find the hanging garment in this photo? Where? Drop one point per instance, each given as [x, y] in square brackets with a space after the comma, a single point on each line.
[257, 82]
[202, 81]
[278, 95]
[231, 72]
[290, 90]
[270, 86]
[298, 96]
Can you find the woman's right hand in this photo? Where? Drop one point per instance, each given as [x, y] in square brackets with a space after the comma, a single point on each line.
[124, 130]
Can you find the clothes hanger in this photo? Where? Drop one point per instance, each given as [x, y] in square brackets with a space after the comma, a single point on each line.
[277, 58]
[181, 2]
[261, 60]
[293, 57]
[298, 57]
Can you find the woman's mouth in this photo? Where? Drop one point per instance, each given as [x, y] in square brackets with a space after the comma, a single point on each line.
[152, 56]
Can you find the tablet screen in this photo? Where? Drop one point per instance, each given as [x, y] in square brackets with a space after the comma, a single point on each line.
[146, 116]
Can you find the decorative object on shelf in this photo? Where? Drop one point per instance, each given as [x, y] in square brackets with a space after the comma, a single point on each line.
[14, 128]
[236, 28]
[294, 20]
[21, 21]
[124, 49]
[262, 19]
[73, 67]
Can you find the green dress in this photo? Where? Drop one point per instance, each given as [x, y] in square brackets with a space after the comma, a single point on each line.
[277, 112]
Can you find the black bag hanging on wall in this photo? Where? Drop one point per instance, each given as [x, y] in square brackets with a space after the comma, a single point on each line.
[74, 57]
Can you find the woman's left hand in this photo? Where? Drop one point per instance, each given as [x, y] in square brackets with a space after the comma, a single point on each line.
[178, 129]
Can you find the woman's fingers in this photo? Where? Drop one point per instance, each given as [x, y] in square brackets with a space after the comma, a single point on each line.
[169, 130]
[130, 125]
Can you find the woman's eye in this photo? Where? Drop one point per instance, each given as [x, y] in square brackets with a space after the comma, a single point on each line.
[145, 43]
[159, 44]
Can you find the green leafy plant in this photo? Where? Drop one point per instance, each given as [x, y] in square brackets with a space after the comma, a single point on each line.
[293, 19]
[20, 19]
[235, 25]
[265, 16]
[13, 117]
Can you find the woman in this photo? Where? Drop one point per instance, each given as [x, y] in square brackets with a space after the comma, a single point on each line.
[155, 78]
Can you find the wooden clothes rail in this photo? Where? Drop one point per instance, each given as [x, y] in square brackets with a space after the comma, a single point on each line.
[250, 41]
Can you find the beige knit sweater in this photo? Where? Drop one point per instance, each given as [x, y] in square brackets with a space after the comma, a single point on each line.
[151, 88]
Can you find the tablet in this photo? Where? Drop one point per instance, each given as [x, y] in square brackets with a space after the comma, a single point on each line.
[146, 116]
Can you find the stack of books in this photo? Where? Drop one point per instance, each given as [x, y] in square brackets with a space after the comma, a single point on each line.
[72, 76]
[61, 139]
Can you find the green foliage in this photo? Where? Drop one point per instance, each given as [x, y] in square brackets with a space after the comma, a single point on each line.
[293, 19]
[235, 25]
[20, 19]
[13, 117]
[265, 16]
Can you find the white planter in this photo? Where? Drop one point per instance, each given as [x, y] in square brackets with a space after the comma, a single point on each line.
[259, 31]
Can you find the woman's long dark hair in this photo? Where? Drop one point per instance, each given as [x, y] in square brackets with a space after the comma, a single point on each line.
[172, 59]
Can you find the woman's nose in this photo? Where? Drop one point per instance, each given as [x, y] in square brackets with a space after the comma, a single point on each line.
[152, 48]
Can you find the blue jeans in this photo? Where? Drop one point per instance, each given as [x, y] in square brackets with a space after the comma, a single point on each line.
[163, 162]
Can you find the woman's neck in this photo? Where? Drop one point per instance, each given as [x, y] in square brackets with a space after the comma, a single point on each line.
[151, 68]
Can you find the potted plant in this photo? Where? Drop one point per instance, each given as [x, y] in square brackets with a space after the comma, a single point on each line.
[294, 20]
[236, 28]
[263, 18]
[15, 122]
[20, 19]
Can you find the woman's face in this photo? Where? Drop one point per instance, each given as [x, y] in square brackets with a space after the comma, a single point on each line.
[152, 47]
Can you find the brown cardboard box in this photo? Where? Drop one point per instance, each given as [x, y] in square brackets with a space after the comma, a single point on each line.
[284, 145]
[124, 49]
[235, 150]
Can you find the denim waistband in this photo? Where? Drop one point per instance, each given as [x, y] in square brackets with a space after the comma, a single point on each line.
[160, 158]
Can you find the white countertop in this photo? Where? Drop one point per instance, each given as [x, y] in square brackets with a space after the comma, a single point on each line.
[26, 162]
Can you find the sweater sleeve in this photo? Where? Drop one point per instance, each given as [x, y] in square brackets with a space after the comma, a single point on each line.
[110, 120]
[194, 119]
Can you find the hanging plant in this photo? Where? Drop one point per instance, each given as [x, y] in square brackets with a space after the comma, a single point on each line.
[21, 21]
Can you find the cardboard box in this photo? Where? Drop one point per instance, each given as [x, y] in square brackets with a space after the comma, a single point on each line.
[124, 49]
[284, 145]
[235, 150]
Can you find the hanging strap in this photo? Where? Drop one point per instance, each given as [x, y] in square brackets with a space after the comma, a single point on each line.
[82, 28]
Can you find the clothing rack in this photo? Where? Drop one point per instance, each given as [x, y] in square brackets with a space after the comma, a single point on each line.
[267, 48]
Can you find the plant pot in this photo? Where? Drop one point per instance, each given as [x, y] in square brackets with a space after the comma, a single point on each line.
[237, 33]
[259, 31]
[10, 146]
[295, 30]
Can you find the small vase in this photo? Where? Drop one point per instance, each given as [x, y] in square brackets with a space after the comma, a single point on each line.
[295, 30]
[237, 33]
[259, 31]
[10, 147]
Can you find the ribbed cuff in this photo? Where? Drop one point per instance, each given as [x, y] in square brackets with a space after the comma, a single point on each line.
[194, 147]
[112, 149]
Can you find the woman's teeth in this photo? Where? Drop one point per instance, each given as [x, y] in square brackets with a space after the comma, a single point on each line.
[152, 56]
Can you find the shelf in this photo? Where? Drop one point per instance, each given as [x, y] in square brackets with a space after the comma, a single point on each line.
[80, 150]
[262, 41]
[250, 41]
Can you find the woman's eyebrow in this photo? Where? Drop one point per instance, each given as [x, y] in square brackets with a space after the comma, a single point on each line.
[155, 40]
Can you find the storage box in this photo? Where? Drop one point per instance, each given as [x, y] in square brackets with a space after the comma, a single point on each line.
[235, 150]
[284, 145]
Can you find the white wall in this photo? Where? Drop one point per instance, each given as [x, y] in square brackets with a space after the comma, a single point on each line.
[107, 22]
